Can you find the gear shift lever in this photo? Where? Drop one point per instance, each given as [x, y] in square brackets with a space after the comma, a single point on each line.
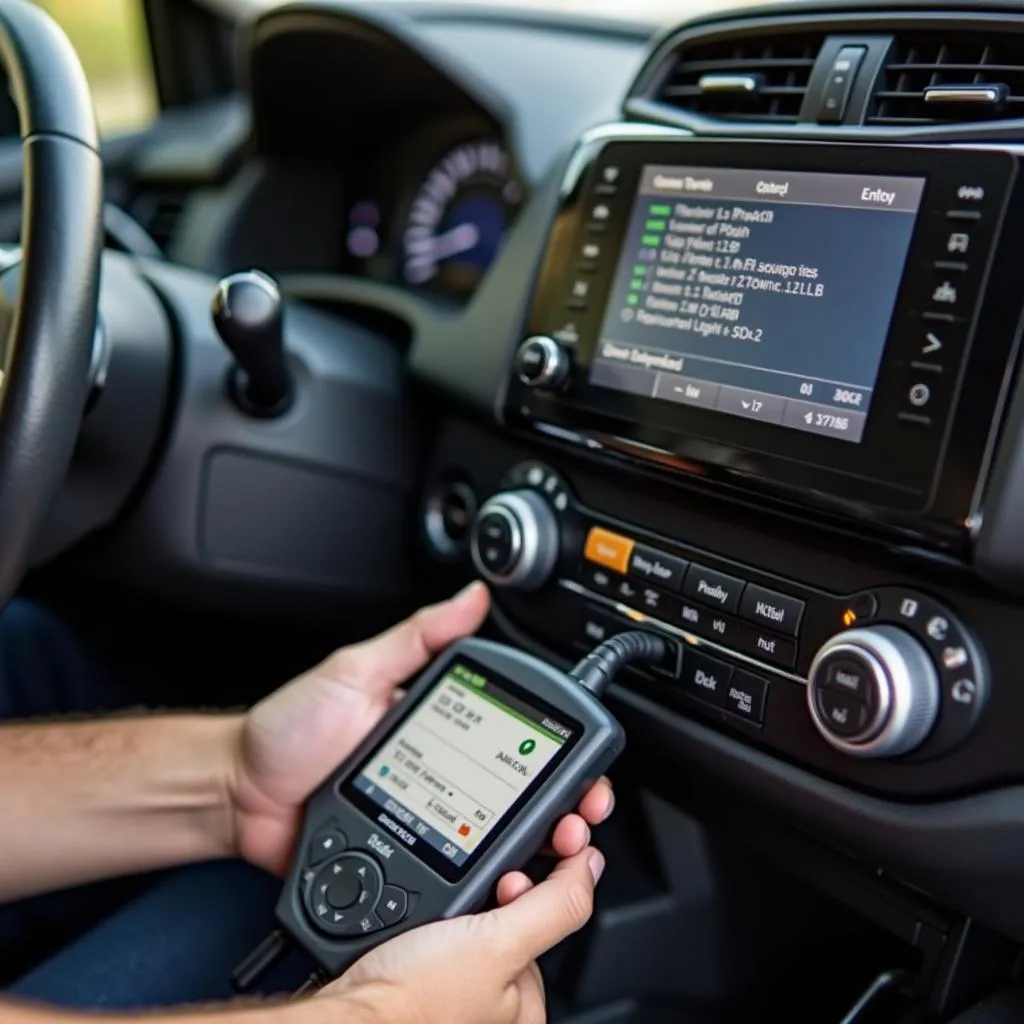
[249, 316]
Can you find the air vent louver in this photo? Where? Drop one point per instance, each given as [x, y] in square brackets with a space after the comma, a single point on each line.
[951, 78]
[752, 79]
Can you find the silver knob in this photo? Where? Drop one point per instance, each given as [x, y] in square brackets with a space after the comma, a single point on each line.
[542, 363]
[516, 540]
[874, 692]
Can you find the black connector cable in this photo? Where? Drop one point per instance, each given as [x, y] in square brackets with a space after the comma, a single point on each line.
[600, 666]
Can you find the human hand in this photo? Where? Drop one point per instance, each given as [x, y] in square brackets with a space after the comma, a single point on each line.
[291, 741]
[479, 969]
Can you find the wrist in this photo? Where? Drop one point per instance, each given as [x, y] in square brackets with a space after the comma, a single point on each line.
[371, 1002]
[222, 735]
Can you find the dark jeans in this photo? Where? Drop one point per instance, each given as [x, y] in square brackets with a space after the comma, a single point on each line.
[133, 943]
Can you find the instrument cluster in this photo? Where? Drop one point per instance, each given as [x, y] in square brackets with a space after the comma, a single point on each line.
[431, 213]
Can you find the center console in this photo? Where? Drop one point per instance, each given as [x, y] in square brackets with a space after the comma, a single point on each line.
[818, 334]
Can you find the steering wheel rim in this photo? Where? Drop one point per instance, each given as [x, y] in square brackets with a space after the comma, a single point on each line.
[48, 301]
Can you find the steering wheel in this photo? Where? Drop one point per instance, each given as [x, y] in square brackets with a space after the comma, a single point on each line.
[49, 295]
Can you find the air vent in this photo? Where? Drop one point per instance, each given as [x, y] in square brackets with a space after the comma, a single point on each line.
[159, 213]
[751, 79]
[951, 78]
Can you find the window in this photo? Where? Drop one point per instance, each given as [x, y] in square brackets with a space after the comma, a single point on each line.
[110, 37]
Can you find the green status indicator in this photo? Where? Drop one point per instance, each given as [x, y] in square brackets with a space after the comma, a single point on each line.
[650, 241]
[654, 225]
[640, 270]
[636, 286]
[632, 300]
[657, 210]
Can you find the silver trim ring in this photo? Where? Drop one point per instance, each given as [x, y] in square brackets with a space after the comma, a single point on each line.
[549, 370]
[907, 674]
[433, 517]
[536, 539]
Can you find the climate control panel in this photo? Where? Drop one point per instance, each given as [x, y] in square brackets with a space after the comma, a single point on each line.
[887, 673]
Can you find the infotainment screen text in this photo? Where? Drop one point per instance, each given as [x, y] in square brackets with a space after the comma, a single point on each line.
[763, 294]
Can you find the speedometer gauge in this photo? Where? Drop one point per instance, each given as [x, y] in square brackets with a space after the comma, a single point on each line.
[459, 216]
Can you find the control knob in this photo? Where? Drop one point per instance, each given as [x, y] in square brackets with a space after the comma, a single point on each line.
[516, 540]
[874, 692]
[542, 363]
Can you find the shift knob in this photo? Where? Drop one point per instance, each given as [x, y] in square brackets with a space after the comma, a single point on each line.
[249, 316]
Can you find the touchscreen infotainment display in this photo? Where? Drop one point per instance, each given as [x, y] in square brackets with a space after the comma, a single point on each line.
[765, 294]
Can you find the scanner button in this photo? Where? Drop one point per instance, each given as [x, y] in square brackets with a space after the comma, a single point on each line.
[344, 891]
[369, 922]
[393, 905]
[328, 842]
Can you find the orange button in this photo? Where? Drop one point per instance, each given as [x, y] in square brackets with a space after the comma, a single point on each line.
[611, 550]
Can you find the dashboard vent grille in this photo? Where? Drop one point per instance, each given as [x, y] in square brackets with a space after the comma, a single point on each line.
[951, 78]
[751, 79]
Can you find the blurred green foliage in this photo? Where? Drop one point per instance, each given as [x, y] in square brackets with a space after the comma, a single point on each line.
[110, 38]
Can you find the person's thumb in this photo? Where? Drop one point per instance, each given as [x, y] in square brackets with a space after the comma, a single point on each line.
[548, 913]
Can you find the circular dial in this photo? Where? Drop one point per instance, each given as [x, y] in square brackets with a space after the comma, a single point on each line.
[542, 363]
[459, 216]
[516, 540]
[874, 692]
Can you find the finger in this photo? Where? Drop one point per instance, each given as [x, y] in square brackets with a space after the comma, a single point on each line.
[571, 835]
[397, 654]
[598, 803]
[512, 886]
[547, 913]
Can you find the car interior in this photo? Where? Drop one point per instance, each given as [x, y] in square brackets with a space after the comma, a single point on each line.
[700, 322]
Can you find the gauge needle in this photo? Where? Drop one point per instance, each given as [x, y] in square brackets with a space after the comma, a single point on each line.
[458, 239]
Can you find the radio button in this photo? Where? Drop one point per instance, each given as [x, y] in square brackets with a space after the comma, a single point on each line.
[844, 714]
[611, 550]
[598, 579]
[713, 588]
[776, 650]
[852, 678]
[657, 567]
[498, 541]
[595, 627]
[768, 608]
[705, 678]
[656, 603]
[692, 617]
[746, 695]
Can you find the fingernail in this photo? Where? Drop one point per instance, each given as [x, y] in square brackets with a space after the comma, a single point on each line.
[469, 588]
[596, 862]
[611, 805]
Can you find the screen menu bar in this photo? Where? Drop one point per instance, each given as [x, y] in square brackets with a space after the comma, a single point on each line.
[767, 407]
[854, 191]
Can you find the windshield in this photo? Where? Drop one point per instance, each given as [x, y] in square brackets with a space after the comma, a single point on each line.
[110, 37]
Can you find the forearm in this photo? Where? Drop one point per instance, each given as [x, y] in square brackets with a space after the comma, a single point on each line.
[88, 800]
[362, 1006]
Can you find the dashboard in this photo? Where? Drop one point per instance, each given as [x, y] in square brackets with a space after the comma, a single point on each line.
[721, 333]
[417, 197]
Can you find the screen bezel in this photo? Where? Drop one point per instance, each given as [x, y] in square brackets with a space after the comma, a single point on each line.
[422, 851]
[895, 464]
